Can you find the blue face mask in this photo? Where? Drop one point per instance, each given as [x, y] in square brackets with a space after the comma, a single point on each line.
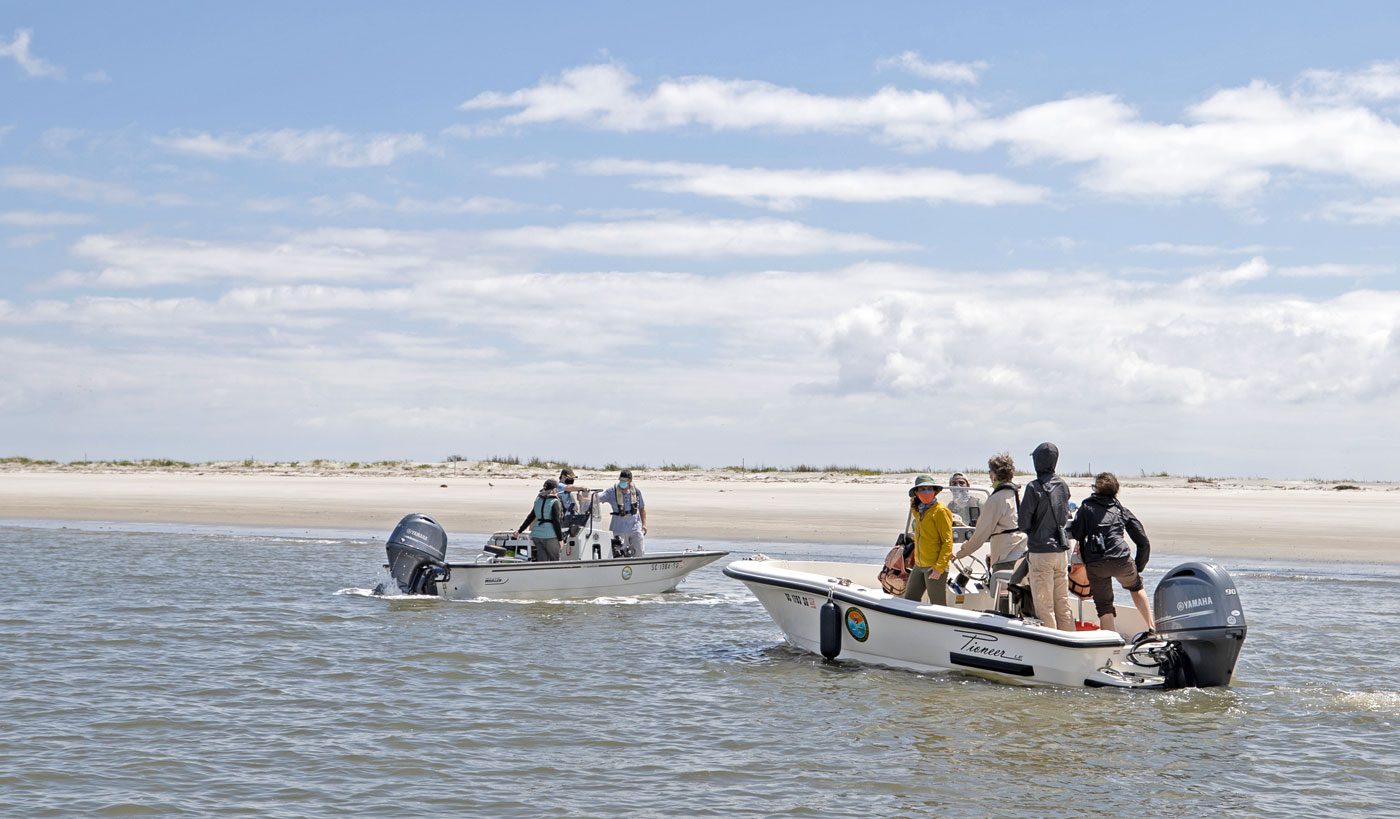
[623, 484]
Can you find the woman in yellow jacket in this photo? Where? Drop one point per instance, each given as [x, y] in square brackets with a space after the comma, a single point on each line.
[933, 542]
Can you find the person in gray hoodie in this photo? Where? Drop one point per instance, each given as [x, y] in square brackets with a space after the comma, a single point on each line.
[1044, 513]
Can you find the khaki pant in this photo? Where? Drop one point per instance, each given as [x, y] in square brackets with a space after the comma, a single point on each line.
[921, 579]
[1049, 576]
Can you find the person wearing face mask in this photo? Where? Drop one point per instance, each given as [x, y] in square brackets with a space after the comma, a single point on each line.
[629, 513]
[548, 529]
[933, 542]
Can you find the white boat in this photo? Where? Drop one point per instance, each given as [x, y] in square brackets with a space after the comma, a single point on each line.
[417, 552]
[840, 611]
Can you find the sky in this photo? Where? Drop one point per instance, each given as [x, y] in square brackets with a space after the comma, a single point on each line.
[901, 234]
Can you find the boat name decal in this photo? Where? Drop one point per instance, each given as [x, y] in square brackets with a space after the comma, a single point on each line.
[857, 624]
[494, 580]
[1194, 603]
[976, 644]
[800, 600]
[665, 567]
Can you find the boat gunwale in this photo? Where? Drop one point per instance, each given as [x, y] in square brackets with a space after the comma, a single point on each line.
[664, 557]
[849, 596]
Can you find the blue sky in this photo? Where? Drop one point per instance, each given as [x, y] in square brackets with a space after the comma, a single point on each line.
[907, 235]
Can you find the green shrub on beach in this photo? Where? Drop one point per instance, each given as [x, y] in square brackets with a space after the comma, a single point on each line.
[504, 460]
[20, 460]
[678, 467]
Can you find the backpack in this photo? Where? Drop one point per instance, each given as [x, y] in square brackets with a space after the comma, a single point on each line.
[894, 576]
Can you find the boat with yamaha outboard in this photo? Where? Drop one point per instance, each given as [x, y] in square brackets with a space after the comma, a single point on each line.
[842, 611]
[595, 565]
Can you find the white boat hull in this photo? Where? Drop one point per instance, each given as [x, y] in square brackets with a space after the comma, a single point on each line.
[881, 629]
[506, 579]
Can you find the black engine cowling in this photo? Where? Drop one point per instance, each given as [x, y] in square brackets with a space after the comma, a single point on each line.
[1197, 610]
[417, 554]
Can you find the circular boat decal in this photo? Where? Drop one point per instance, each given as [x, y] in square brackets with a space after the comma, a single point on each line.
[626, 572]
[857, 625]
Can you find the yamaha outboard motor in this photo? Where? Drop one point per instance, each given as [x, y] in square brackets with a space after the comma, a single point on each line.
[418, 554]
[1198, 613]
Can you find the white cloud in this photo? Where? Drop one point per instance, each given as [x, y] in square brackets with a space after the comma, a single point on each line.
[1255, 268]
[533, 170]
[34, 219]
[457, 204]
[690, 237]
[868, 329]
[789, 189]
[605, 96]
[326, 146]
[18, 50]
[70, 187]
[1334, 270]
[1378, 82]
[337, 256]
[1197, 250]
[1378, 211]
[134, 261]
[912, 63]
[81, 189]
[1227, 147]
[24, 240]
[98, 77]
[350, 202]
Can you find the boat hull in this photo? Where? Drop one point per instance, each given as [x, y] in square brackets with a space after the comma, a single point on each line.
[572, 579]
[878, 628]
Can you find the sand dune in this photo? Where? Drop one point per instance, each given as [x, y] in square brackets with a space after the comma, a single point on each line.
[1257, 519]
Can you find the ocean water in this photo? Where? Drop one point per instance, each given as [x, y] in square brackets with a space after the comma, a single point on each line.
[182, 671]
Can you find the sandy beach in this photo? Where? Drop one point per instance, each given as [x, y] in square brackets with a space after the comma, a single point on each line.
[1254, 518]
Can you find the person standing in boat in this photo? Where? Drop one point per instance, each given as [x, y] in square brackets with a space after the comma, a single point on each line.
[999, 522]
[629, 513]
[960, 501]
[548, 518]
[1044, 513]
[933, 542]
[1099, 526]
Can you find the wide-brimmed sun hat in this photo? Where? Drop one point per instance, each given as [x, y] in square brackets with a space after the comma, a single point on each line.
[925, 482]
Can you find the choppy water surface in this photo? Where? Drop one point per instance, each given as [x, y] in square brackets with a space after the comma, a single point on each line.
[193, 672]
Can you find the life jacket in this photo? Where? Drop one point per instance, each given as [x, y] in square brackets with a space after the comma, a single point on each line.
[1016, 498]
[1079, 581]
[544, 517]
[626, 500]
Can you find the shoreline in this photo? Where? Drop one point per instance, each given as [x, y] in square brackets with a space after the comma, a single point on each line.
[1255, 519]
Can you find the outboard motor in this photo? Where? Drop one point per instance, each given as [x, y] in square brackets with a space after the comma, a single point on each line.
[418, 554]
[1198, 613]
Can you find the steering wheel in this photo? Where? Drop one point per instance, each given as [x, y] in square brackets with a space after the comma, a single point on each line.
[973, 569]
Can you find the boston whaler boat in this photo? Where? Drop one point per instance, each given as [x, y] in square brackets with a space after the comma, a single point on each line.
[593, 565]
[841, 611]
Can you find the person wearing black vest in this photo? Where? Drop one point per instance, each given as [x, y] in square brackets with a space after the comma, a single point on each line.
[548, 518]
[1100, 526]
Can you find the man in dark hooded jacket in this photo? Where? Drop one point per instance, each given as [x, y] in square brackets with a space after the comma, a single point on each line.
[1102, 526]
[1044, 513]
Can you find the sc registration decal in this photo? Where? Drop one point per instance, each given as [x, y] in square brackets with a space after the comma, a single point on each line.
[857, 625]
